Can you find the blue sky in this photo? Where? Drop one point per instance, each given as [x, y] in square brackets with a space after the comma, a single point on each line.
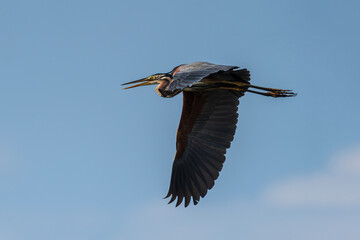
[82, 159]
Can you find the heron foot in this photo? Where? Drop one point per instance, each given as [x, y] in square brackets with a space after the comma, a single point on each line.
[281, 93]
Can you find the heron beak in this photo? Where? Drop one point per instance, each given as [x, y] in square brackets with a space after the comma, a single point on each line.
[142, 82]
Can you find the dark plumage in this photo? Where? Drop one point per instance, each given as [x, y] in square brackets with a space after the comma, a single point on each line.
[208, 122]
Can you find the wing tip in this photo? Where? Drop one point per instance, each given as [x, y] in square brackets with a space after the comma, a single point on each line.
[180, 200]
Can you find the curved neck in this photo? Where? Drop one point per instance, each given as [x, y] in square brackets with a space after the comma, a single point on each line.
[163, 90]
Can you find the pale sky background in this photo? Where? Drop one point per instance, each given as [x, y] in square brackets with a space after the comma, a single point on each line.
[82, 159]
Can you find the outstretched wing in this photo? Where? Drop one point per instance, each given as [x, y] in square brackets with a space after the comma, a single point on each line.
[187, 75]
[207, 127]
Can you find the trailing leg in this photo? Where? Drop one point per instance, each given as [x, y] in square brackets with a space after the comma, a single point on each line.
[272, 92]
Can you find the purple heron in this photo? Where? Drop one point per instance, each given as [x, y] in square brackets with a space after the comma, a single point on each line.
[208, 121]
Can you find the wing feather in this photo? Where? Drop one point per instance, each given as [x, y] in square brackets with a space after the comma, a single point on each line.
[206, 129]
[194, 72]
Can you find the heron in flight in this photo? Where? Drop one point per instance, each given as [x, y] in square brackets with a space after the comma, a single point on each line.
[208, 121]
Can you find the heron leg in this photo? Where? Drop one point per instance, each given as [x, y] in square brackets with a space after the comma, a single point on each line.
[242, 87]
[226, 88]
[266, 89]
[275, 94]
[272, 93]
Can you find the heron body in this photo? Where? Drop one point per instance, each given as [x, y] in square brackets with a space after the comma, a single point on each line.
[208, 121]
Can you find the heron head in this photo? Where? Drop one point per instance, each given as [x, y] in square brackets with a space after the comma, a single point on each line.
[151, 80]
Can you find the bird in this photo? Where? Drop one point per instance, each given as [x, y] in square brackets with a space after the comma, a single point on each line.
[208, 121]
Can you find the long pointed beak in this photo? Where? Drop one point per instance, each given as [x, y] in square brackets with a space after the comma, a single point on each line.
[142, 82]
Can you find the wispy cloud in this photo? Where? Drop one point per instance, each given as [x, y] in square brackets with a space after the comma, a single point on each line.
[239, 220]
[335, 186]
